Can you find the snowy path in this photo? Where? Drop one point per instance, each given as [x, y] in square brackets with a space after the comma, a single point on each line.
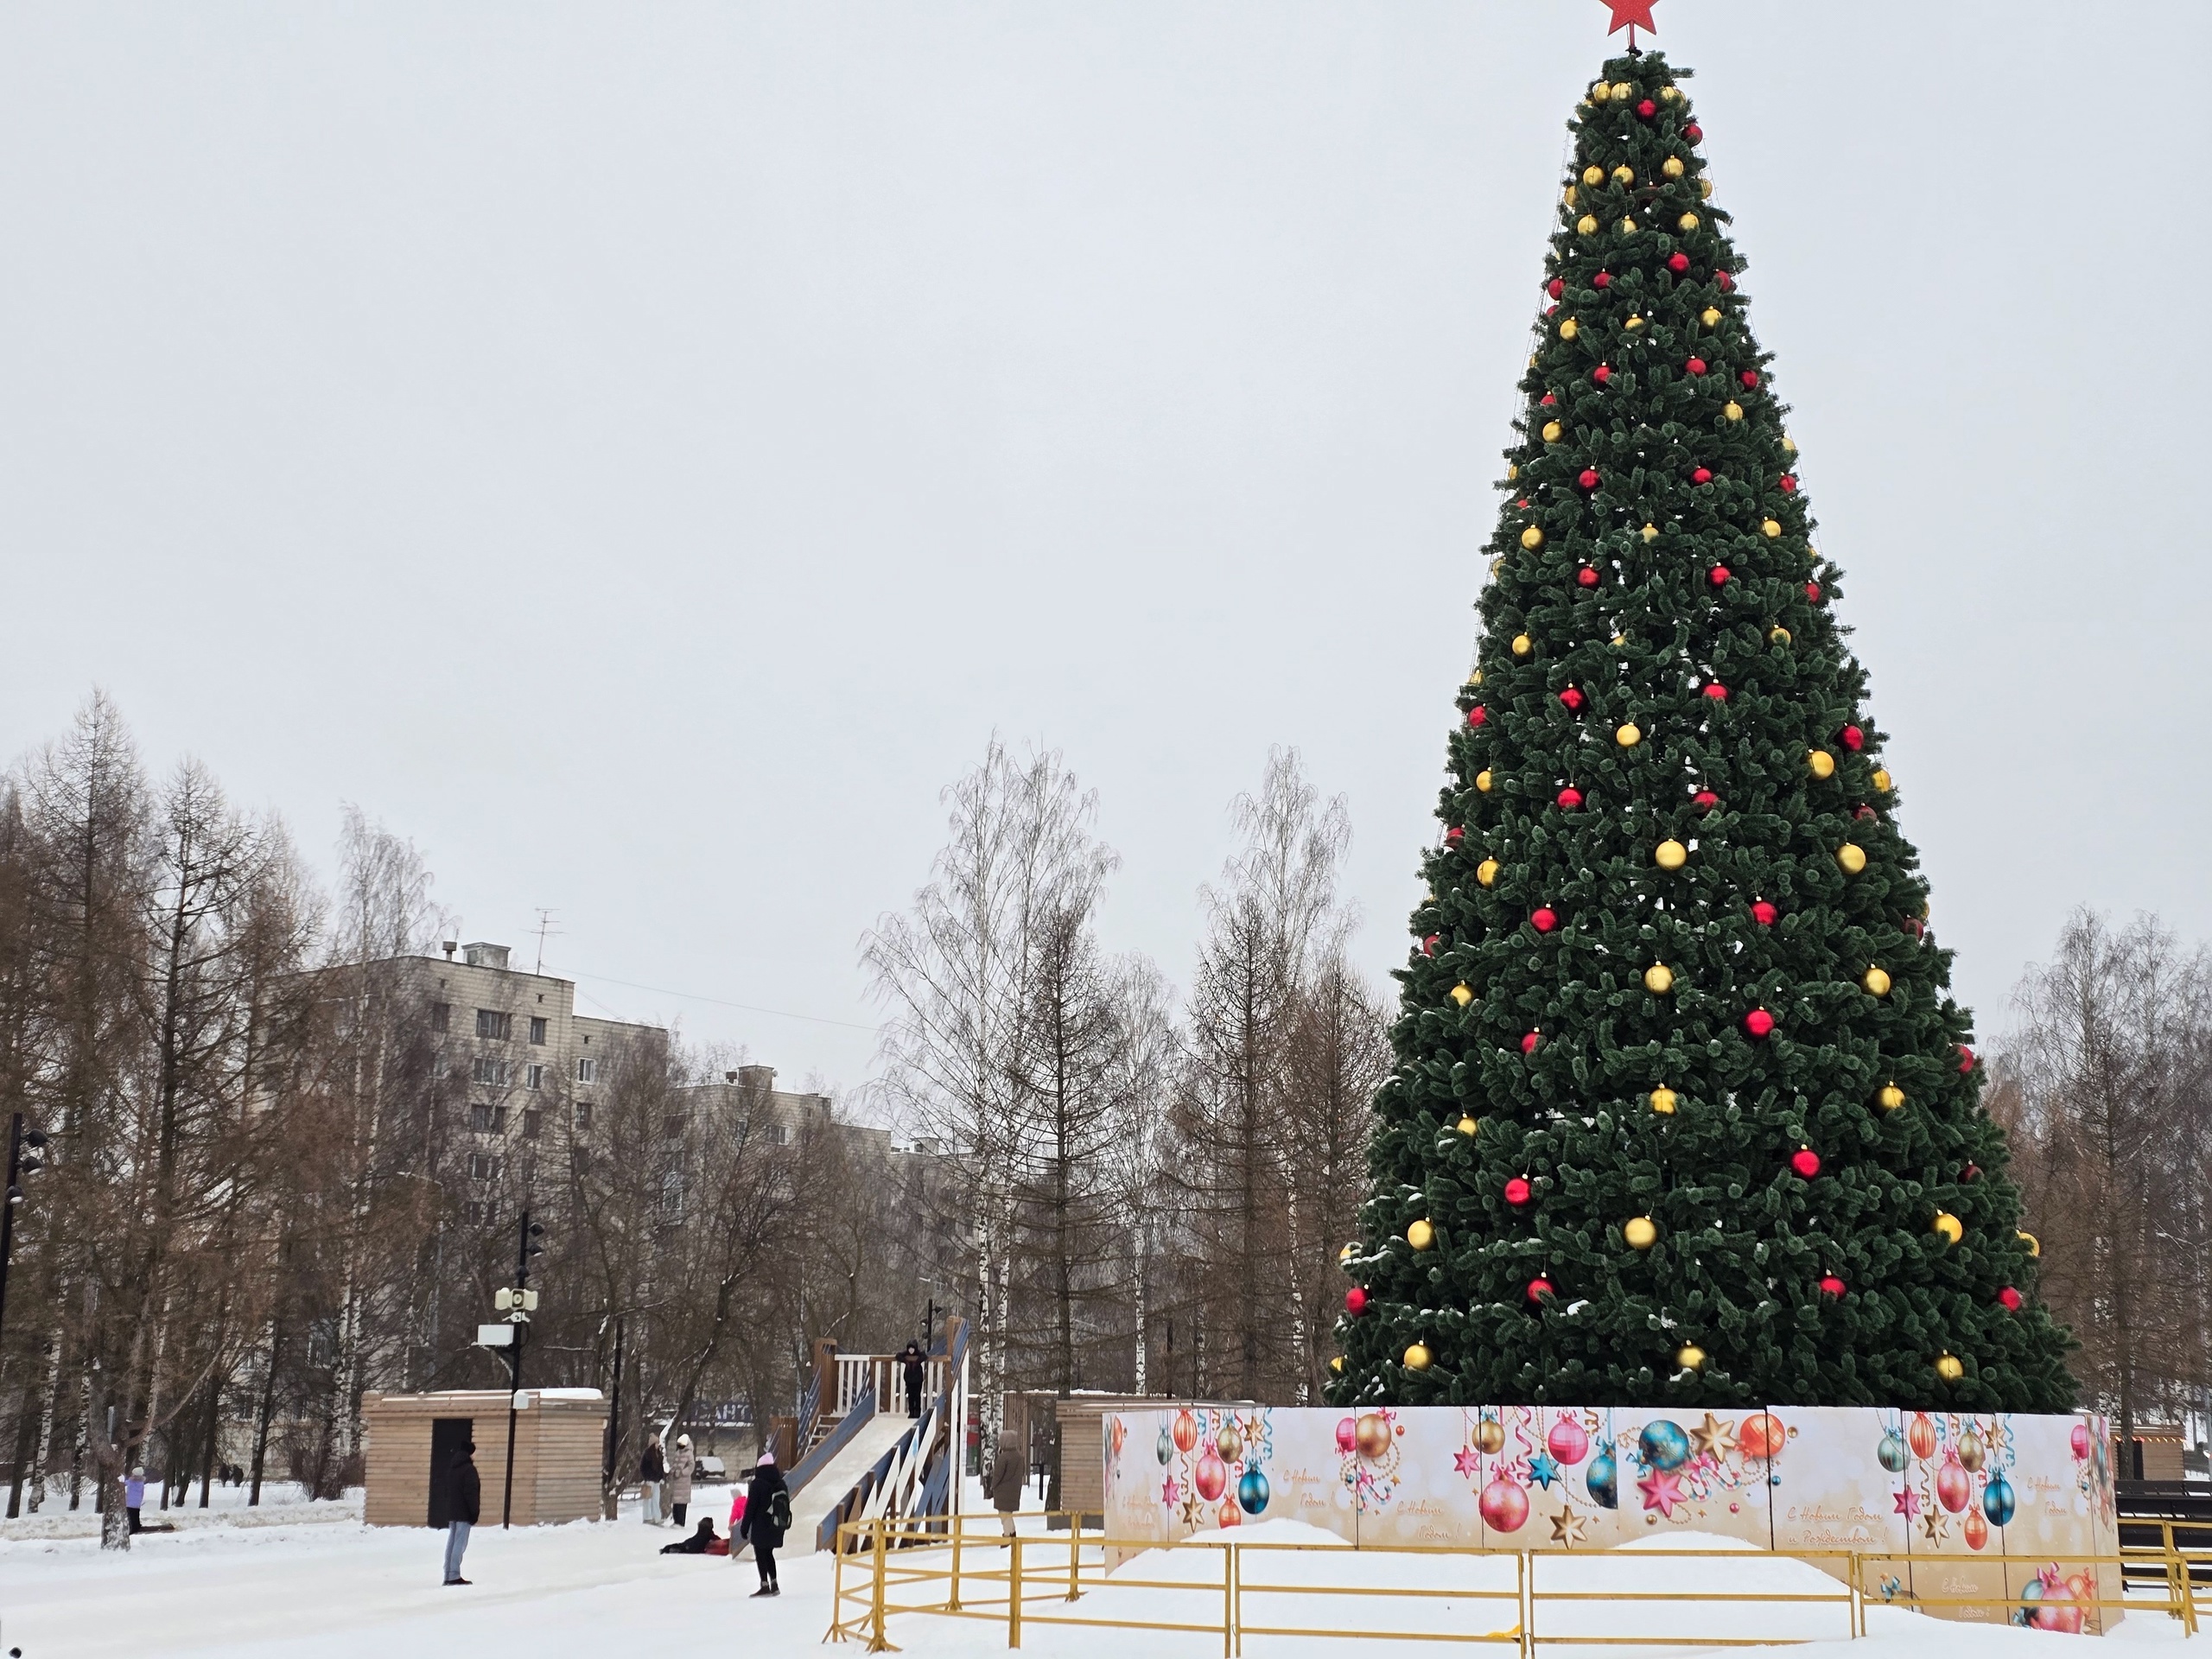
[337, 1591]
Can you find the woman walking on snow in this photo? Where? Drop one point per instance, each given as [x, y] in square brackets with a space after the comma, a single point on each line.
[651, 1468]
[680, 1467]
[767, 1516]
[1005, 1483]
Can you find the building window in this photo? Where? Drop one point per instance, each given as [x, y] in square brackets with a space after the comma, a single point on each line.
[583, 1113]
[497, 1073]
[530, 1126]
[671, 1196]
[672, 1127]
[537, 1029]
[441, 1017]
[483, 1167]
[480, 1119]
[477, 1212]
[533, 1076]
[490, 1022]
[779, 1135]
[588, 1070]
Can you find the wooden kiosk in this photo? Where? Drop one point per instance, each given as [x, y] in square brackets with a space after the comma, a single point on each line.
[560, 1440]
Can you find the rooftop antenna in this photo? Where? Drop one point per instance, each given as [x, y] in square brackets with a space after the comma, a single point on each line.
[545, 930]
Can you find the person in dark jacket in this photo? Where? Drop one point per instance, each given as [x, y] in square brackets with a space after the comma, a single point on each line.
[913, 1366]
[652, 1471]
[705, 1541]
[465, 1502]
[767, 1512]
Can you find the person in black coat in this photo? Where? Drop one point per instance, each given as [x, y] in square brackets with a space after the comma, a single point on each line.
[465, 1501]
[767, 1512]
[700, 1542]
[913, 1366]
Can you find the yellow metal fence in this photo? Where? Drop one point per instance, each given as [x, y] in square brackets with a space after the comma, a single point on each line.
[887, 1569]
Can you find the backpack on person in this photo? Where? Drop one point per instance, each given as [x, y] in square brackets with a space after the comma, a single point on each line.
[779, 1512]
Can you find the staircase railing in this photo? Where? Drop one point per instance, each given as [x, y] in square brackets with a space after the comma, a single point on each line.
[914, 1478]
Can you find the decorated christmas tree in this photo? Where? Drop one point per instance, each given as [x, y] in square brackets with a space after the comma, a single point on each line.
[1683, 1112]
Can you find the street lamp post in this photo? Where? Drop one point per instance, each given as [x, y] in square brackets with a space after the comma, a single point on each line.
[24, 1143]
[518, 1302]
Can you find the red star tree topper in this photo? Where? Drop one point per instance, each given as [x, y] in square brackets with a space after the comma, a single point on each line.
[1630, 15]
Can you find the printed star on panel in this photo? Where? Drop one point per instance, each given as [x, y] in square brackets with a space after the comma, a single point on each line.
[1542, 1470]
[1662, 1491]
[1908, 1503]
[1714, 1436]
[1466, 1461]
[1566, 1528]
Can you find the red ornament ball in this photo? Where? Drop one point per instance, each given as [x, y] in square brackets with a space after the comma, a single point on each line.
[1454, 835]
[1701, 475]
[1572, 697]
[1517, 1190]
[1758, 1022]
[1543, 919]
[1551, 310]
[1717, 691]
[1678, 262]
[1693, 132]
[1971, 1173]
[1555, 288]
[1852, 738]
[1749, 378]
[1478, 714]
[1704, 800]
[1540, 1289]
[1913, 925]
[1727, 283]
[1719, 575]
[1647, 109]
[1806, 1162]
[1788, 485]
[1812, 593]
[1695, 366]
[1603, 279]
[2009, 1300]
[1966, 1058]
[1550, 399]
[1832, 1286]
[1355, 1302]
[1529, 1043]
[1586, 578]
[1428, 945]
[1589, 479]
[1763, 913]
[1602, 374]
[1570, 797]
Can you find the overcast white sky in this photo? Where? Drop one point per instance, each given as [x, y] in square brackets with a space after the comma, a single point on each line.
[641, 452]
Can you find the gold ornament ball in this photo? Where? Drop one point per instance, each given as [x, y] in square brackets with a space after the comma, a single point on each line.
[1628, 226]
[1348, 1251]
[1523, 645]
[1658, 979]
[1788, 445]
[1778, 635]
[1599, 92]
[1672, 167]
[1486, 872]
[1623, 175]
[1769, 529]
[1490, 1437]
[1662, 1101]
[1690, 1357]
[1512, 471]
[1622, 91]
[1593, 175]
[1633, 324]
[1466, 1126]
[1640, 1233]
[1532, 538]
[1567, 329]
[1851, 858]
[1553, 429]
[1475, 678]
[1497, 565]
[1711, 316]
[1687, 222]
[1972, 1452]
[1337, 1364]
[1821, 763]
[1949, 1228]
[1733, 410]
[1627, 736]
[1417, 1357]
[1876, 981]
[1481, 781]
[1705, 189]
[1670, 854]
[1373, 1432]
[1882, 779]
[1587, 224]
[2034, 1245]
[1420, 1235]
[1620, 638]
[1651, 532]
[1891, 1097]
[1463, 995]
[1669, 94]
[1948, 1368]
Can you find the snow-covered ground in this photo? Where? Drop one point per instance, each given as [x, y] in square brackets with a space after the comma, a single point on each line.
[329, 1588]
